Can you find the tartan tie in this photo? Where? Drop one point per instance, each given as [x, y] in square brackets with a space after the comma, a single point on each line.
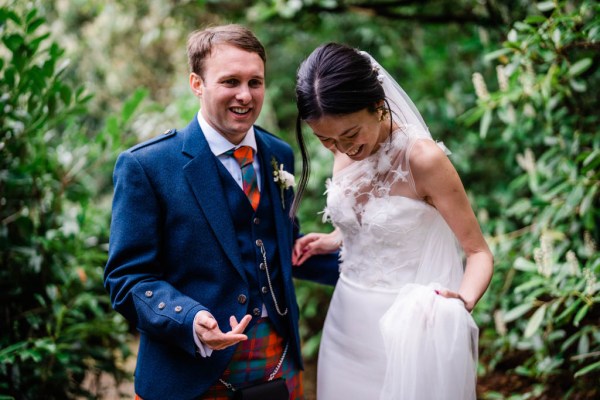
[244, 156]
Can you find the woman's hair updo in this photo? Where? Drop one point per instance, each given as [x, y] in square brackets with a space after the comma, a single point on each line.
[334, 80]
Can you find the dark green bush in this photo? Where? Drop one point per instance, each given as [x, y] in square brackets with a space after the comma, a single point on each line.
[542, 121]
[57, 324]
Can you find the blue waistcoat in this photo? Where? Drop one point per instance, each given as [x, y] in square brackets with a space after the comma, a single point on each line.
[251, 226]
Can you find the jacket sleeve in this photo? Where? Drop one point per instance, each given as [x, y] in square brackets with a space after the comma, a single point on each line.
[133, 274]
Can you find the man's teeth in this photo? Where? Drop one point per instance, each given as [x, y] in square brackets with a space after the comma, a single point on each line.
[238, 110]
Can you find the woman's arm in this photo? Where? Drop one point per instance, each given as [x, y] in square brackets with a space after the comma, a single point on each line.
[438, 183]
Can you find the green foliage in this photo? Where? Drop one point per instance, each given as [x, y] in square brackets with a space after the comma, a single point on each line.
[527, 149]
[543, 121]
[57, 322]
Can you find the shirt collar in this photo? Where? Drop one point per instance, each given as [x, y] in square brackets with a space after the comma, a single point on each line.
[218, 144]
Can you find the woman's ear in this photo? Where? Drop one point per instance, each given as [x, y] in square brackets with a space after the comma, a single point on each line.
[196, 84]
[382, 110]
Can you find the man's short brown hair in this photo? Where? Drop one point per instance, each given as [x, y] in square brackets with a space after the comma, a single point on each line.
[201, 42]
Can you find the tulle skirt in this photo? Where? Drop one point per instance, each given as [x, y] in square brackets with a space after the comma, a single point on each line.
[409, 344]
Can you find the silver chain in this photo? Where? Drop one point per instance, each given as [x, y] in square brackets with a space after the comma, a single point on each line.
[271, 377]
[264, 254]
[280, 363]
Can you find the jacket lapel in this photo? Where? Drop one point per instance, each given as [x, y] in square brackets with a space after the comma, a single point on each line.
[203, 177]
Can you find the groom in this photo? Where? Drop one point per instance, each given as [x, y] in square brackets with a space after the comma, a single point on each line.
[200, 245]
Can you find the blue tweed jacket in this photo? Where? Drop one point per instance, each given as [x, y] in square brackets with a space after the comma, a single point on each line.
[173, 252]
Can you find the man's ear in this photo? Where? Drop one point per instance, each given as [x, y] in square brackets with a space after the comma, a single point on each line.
[196, 84]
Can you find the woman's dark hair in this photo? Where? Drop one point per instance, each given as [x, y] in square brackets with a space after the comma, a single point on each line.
[334, 80]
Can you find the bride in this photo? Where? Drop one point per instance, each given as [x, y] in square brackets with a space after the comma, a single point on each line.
[399, 324]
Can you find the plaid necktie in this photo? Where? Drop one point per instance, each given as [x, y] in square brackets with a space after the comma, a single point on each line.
[244, 156]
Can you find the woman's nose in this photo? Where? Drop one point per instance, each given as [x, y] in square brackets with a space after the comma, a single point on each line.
[343, 145]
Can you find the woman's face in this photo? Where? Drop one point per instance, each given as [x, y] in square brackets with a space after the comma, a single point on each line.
[357, 135]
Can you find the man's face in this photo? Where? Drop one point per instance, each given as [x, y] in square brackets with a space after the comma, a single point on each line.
[232, 90]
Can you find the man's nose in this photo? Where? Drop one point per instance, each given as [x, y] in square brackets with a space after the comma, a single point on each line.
[244, 96]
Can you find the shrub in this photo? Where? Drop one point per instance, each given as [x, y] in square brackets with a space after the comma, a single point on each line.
[543, 120]
[57, 322]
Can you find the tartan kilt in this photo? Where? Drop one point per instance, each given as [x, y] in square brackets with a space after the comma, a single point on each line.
[255, 359]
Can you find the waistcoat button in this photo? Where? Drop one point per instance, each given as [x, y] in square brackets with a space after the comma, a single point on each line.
[242, 299]
[259, 242]
[256, 221]
[264, 290]
[262, 266]
[256, 312]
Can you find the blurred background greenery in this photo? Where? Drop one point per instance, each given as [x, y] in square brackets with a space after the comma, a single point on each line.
[511, 87]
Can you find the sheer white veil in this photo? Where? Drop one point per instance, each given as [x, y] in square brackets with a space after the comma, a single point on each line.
[403, 111]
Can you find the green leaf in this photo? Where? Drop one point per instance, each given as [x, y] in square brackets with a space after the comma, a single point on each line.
[132, 104]
[577, 85]
[497, 53]
[581, 314]
[65, 94]
[588, 200]
[530, 284]
[583, 347]
[517, 312]
[31, 15]
[569, 310]
[593, 156]
[535, 321]
[35, 43]
[575, 196]
[6, 14]
[486, 120]
[522, 264]
[520, 26]
[546, 6]
[535, 19]
[580, 67]
[33, 25]
[13, 42]
[588, 369]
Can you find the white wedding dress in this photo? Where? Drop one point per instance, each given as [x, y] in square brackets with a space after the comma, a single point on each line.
[387, 334]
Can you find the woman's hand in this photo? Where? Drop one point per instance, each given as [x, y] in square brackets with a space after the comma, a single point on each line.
[313, 244]
[453, 295]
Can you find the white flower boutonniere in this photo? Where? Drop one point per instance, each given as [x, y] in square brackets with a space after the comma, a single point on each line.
[284, 179]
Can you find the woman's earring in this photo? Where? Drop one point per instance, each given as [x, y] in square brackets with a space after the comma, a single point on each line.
[383, 113]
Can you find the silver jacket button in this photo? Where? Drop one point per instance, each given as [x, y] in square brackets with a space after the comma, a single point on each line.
[161, 305]
[148, 293]
[178, 309]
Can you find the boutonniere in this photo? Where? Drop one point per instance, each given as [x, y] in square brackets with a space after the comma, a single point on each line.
[282, 178]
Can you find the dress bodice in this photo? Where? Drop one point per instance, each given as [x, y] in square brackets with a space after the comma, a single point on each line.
[385, 226]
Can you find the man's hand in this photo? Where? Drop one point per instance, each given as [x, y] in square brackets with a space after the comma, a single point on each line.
[207, 330]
